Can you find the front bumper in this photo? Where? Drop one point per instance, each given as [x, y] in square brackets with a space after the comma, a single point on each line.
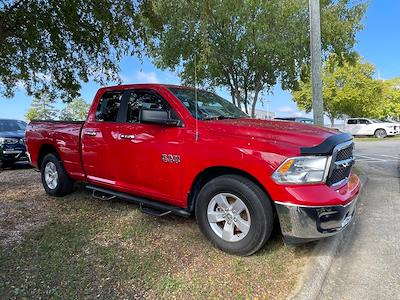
[306, 223]
[14, 155]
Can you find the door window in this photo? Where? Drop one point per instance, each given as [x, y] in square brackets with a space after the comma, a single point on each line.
[363, 121]
[108, 107]
[148, 99]
[352, 121]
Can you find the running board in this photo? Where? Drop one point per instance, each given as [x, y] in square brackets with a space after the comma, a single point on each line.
[147, 206]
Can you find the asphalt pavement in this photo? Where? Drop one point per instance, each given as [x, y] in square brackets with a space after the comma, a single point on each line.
[367, 265]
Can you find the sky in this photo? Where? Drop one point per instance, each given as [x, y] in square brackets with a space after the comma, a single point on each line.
[378, 43]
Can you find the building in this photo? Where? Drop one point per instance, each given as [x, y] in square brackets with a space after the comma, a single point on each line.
[263, 114]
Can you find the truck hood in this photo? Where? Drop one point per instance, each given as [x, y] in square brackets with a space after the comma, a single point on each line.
[292, 134]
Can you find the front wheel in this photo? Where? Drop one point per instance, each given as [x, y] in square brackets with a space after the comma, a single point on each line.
[380, 133]
[55, 179]
[235, 214]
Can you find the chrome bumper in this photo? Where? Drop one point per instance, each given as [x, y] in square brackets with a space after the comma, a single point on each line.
[307, 223]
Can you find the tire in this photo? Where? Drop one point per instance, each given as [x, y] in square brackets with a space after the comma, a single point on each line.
[247, 230]
[52, 168]
[380, 133]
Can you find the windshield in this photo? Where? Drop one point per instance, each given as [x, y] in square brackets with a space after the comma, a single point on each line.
[209, 105]
[12, 125]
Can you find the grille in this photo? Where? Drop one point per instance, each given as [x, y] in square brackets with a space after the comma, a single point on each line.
[345, 153]
[341, 165]
[339, 174]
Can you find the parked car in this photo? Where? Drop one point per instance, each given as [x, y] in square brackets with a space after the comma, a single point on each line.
[297, 119]
[12, 141]
[394, 123]
[364, 127]
[171, 152]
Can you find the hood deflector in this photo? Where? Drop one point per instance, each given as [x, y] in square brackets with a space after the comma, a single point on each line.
[326, 147]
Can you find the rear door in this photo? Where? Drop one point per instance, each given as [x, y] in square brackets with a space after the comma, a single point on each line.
[149, 159]
[99, 143]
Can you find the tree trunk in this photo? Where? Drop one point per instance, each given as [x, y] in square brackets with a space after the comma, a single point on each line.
[245, 101]
[237, 95]
[332, 119]
[255, 99]
[253, 105]
[233, 96]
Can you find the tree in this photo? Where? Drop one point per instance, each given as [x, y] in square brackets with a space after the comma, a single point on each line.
[348, 89]
[391, 99]
[245, 46]
[76, 110]
[42, 108]
[58, 44]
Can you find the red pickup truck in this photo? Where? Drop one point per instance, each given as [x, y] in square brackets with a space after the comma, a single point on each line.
[151, 144]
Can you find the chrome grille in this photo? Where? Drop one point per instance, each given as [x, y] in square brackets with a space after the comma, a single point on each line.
[342, 161]
[345, 153]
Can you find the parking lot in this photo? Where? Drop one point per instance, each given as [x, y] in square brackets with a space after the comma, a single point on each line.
[367, 265]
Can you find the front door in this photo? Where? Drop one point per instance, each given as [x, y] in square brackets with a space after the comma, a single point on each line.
[150, 154]
[99, 149]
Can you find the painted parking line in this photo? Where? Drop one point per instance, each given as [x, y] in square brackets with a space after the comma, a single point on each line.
[374, 159]
[396, 157]
[370, 157]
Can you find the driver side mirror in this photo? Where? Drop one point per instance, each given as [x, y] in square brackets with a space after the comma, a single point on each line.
[158, 116]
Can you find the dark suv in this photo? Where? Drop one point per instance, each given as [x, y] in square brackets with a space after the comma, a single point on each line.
[12, 141]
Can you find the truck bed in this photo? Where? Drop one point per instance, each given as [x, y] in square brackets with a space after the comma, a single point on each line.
[61, 135]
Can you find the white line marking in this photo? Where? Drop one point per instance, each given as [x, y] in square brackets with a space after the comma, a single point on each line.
[370, 157]
[396, 157]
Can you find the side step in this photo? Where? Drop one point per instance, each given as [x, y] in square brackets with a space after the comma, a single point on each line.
[146, 206]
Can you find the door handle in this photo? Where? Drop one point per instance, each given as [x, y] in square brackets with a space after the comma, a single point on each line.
[91, 133]
[127, 136]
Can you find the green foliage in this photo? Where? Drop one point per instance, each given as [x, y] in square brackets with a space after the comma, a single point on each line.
[348, 89]
[58, 44]
[76, 110]
[245, 46]
[42, 108]
[391, 99]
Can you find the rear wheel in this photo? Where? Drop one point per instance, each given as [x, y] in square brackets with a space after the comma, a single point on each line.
[234, 214]
[380, 133]
[55, 179]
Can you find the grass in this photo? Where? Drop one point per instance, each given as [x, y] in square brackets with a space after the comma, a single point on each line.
[87, 248]
[374, 139]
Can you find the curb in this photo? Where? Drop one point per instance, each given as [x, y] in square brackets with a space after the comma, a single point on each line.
[322, 258]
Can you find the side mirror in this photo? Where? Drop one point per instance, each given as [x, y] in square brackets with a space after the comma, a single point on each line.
[157, 116]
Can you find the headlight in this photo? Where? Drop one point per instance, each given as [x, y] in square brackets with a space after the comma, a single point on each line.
[8, 141]
[302, 169]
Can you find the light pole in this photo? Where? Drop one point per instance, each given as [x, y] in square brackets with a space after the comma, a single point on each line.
[315, 46]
